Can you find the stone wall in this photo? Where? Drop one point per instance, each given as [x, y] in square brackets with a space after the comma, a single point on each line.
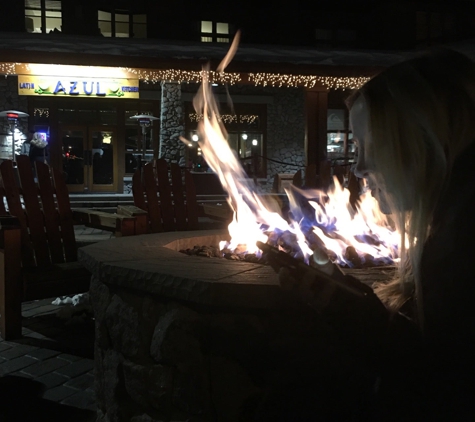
[161, 360]
[285, 133]
[187, 338]
[10, 100]
[171, 123]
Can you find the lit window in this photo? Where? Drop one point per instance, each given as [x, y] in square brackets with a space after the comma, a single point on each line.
[122, 24]
[105, 25]
[207, 27]
[214, 31]
[222, 28]
[42, 17]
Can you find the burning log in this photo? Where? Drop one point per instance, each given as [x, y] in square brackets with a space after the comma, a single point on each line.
[215, 252]
[206, 251]
[240, 254]
[352, 256]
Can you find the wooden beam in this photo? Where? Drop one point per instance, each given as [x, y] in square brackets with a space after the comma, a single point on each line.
[121, 225]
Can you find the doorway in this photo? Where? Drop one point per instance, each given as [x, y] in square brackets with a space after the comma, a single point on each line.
[89, 158]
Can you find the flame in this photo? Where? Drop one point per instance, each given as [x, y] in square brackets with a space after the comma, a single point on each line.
[316, 218]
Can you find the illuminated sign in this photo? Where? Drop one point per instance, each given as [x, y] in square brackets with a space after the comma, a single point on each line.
[58, 86]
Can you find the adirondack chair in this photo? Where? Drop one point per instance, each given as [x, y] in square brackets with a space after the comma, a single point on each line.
[38, 256]
[166, 196]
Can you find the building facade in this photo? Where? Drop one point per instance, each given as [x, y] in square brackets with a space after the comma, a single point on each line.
[84, 73]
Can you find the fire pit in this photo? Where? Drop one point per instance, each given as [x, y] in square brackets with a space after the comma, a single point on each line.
[180, 337]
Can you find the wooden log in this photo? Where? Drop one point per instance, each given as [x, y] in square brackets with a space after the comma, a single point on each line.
[121, 225]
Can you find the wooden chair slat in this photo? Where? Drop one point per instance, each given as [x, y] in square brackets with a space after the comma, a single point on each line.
[165, 191]
[154, 213]
[33, 211]
[138, 191]
[191, 204]
[20, 278]
[65, 216]
[169, 206]
[50, 213]
[178, 197]
[12, 193]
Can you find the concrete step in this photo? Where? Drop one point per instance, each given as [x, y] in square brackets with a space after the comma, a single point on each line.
[103, 202]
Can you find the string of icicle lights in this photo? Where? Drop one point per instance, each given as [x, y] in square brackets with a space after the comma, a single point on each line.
[8, 68]
[258, 79]
[227, 118]
[307, 81]
[185, 76]
[229, 78]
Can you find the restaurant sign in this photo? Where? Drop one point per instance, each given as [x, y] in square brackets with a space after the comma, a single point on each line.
[58, 86]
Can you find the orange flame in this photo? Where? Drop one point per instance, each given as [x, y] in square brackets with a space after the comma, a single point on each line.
[335, 223]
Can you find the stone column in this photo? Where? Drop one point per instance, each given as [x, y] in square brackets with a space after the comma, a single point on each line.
[171, 123]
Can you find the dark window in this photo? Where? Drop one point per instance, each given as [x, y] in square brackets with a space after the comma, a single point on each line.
[122, 24]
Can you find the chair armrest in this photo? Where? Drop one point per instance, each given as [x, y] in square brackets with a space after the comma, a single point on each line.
[121, 225]
[140, 215]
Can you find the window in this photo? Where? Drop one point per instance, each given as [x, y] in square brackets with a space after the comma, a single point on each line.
[246, 136]
[121, 24]
[340, 146]
[214, 32]
[434, 26]
[42, 16]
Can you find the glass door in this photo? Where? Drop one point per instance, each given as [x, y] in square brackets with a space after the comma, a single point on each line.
[74, 145]
[102, 159]
[89, 158]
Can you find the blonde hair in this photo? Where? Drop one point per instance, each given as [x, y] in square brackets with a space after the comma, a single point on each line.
[421, 117]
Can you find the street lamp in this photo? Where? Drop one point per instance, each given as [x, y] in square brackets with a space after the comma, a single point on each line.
[144, 121]
[12, 117]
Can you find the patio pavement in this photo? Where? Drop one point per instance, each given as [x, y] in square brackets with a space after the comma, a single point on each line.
[48, 374]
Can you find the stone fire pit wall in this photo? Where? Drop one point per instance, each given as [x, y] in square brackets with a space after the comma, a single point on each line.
[190, 338]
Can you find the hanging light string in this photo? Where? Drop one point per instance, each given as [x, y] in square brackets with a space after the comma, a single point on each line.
[263, 79]
[307, 81]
